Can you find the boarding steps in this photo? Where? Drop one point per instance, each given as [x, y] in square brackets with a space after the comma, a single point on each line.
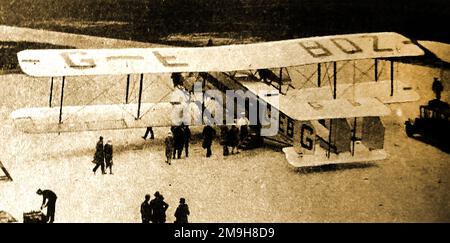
[232, 81]
[281, 80]
[253, 140]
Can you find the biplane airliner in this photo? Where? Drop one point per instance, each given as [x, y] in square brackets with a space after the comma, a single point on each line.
[324, 118]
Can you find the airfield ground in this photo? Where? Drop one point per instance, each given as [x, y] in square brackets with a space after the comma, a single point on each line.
[412, 185]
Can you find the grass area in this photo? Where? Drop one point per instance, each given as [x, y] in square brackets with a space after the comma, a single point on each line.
[156, 20]
[9, 49]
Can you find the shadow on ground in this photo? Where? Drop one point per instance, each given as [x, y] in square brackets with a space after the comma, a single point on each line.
[334, 167]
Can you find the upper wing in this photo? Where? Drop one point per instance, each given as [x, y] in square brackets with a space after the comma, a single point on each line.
[287, 53]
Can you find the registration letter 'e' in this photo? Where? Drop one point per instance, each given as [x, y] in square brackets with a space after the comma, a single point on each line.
[166, 60]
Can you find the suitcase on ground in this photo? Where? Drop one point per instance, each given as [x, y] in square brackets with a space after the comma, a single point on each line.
[34, 217]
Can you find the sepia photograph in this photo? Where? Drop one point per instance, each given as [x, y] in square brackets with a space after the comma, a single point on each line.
[224, 111]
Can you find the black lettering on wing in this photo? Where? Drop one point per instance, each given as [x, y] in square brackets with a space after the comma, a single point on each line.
[76, 60]
[375, 44]
[315, 49]
[347, 46]
[166, 60]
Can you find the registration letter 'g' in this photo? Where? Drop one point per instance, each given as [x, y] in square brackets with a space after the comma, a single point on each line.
[78, 60]
[306, 139]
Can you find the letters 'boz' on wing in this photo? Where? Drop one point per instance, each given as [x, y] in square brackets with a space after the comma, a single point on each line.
[275, 54]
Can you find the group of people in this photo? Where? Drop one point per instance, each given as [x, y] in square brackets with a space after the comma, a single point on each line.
[233, 137]
[151, 210]
[177, 138]
[229, 138]
[155, 210]
[103, 155]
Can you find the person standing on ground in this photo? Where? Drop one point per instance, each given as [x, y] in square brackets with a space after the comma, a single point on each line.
[187, 139]
[108, 148]
[49, 201]
[208, 136]
[234, 139]
[178, 137]
[182, 212]
[99, 156]
[168, 142]
[158, 208]
[224, 139]
[146, 211]
[242, 124]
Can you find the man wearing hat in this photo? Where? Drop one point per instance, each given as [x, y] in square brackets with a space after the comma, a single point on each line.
[437, 88]
[49, 201]
[108, 149]
[208, 135]
[146, 211]
[182, 212]
[158, 207]
[99, 156]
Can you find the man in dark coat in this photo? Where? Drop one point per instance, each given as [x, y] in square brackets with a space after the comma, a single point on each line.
[158, 207]
[233, 138]
[224, 139]
[208, 135]
[108, 149]
[437, 88]
[49, 201]
[178, 140]
[182, 212]
[146, 211]
[99, 156]
[187, 139]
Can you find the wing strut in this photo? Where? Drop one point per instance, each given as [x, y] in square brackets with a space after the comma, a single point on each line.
[392, 78]
[354, 137]
[319, 73]
[281, 80]
[334, 80]
[203, 92]
[128, 88]
[141, 80]
[62, 99]
[329, 139]
[375, 68]
[51, 93]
